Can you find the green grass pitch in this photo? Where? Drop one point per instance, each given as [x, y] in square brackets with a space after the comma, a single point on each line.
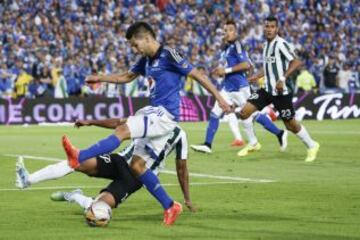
[320, 200]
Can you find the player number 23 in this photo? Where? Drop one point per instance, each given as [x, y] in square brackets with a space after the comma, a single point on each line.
[285, 113]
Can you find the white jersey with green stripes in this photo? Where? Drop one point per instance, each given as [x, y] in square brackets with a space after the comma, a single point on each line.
[277, 55]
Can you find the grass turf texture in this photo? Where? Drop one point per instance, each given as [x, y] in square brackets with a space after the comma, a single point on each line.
[320, 200]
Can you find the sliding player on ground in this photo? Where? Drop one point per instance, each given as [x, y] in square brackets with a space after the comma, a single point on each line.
[114, 167]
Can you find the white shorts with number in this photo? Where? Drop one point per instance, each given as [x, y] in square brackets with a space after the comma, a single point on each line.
[238, 98]
[155, 135]
[150, 122]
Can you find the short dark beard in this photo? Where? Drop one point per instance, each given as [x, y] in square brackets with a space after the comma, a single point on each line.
[269, 40]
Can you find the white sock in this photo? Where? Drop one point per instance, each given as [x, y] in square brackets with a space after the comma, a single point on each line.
[234, 126]
[81, 199]
[249, 130]
[52, 171]
[305, 137]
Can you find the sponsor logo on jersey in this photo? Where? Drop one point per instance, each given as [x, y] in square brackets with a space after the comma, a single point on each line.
[270, 59]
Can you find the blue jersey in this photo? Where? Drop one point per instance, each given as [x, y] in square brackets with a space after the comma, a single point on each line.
[232, 55]
[165, 71]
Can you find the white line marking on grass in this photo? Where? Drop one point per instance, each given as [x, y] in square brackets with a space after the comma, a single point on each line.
[50, 159]
[329, 132]
[99, 187]
[199, 175]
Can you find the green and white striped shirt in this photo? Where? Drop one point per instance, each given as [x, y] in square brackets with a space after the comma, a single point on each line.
[277, 55]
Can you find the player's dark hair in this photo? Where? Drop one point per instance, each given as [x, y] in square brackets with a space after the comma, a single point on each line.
[231, 22]
[272, 19]
[138, 28]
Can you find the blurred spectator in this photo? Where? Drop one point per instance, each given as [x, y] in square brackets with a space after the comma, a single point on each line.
[305, 81]
[6, 81]
[345, 76]
[37, 89]
[46, 81]
[61, 88]
[75, 37]
[317, 69]
[357, 77]
[331, 74]
[22, 83]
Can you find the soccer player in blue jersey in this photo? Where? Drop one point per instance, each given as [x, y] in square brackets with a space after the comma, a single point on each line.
[236, 91]
[151, 125]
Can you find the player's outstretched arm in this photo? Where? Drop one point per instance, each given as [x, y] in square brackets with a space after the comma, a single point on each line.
[206, 83]
[111, 123]
[183, 177]
[112, 78]
[240, 67]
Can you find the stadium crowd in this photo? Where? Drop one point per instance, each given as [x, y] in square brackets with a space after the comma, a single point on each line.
[48, 47]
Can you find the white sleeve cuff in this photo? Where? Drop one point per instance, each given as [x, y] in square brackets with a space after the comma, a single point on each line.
[228, 70]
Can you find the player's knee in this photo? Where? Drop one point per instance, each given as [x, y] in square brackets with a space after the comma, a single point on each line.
[88, 167]
[108, 198]
[122, 132]
[89, 172]
[243, 114]
[289, 127]
[138, 166]
[292, 126]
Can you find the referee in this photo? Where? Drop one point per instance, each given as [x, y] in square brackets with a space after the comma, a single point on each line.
[280, 61]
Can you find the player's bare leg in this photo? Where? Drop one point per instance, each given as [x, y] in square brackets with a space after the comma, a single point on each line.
[89, 167]
[108, 198]
[301, 132]
[249, 112]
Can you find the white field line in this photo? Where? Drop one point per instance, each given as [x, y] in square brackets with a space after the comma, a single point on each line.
[260, 129]
[199, 175]
[99, 187]
[50, 159]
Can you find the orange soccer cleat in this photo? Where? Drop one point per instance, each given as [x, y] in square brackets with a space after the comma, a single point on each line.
[238, 143]
[72, 152]
[271, 113]
[171, 214]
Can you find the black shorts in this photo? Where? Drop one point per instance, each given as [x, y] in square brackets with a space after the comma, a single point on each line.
[282, 103]
[124, 183]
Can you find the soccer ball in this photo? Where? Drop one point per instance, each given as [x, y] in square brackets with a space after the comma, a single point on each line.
[98, 214]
